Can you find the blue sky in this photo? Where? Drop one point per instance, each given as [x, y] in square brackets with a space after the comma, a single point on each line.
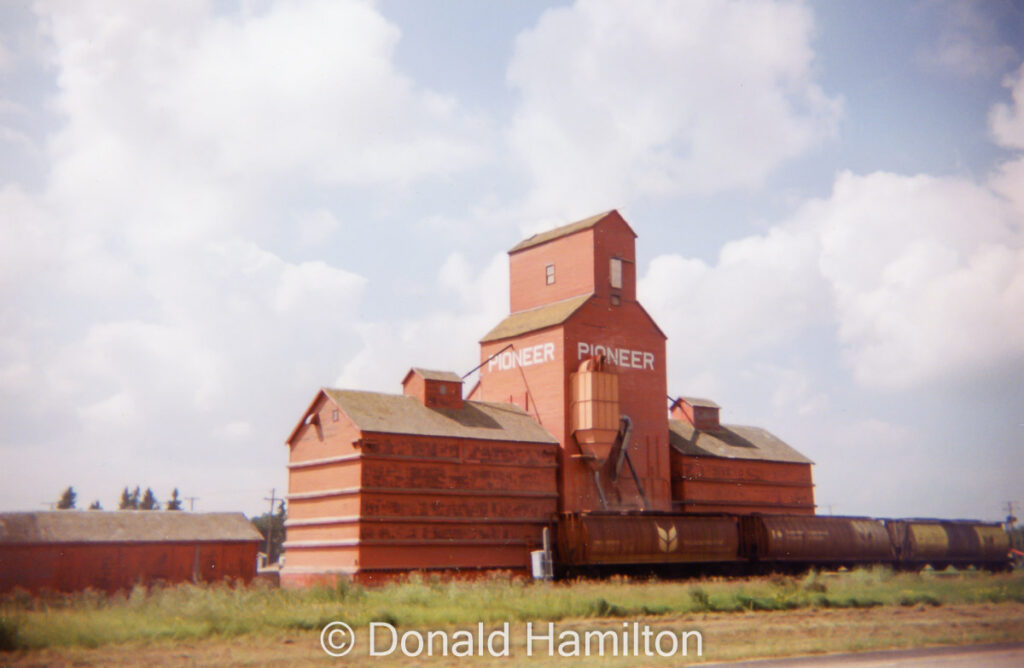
[210, 209]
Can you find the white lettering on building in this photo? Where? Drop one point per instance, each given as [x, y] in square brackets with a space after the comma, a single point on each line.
[513, 357]
[623, 357]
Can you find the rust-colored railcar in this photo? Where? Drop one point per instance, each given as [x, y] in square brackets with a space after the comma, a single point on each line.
[815, 540]
[70, 550]
[602, 539]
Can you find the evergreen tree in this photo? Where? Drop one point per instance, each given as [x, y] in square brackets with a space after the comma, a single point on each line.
[67, 499]
[135, 498]
[126, 501]
[265, 523]
[149, 501]
[95, 505]
[175, 502]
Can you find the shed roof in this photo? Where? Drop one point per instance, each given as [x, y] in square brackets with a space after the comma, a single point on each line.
[431, 374]
[124, 526]
[401, 414]
[536, 318]
[564, 231]
[731, 442]
[696, 401]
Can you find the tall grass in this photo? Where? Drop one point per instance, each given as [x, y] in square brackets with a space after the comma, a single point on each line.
[188, 611]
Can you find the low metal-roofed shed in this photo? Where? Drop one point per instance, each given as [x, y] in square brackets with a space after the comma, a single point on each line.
[70, 550]
[737, 469]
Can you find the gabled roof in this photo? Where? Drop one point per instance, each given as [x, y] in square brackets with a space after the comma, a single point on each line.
[696, 401]
[401, 414]
[536, 318]
[124, 526]
[431, 374]
[566, 230]
[731, 442]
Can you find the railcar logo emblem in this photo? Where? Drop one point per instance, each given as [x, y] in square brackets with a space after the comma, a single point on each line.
[668, 539]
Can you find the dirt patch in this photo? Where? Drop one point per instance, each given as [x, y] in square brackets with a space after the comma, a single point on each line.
[725, 636]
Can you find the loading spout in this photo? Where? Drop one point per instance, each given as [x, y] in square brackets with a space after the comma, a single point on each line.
[600, 490]
[639, 487]
[620, 453]
[621, 448]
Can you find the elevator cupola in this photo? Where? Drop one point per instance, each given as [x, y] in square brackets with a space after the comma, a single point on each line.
[593, 256]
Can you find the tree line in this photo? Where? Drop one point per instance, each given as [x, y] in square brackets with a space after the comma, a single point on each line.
[133, 499]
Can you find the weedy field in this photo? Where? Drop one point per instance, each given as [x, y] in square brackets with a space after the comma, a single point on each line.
[193, 613]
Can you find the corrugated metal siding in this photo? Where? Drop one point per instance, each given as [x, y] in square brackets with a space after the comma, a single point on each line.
[114, 566]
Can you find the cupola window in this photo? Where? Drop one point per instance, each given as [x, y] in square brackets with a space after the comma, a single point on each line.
[615, 273]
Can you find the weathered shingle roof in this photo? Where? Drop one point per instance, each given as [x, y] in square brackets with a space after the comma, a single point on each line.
[400, 414]
[731, 442]
[536, 318]
[431, 374]
[563, 231]
[124, 526]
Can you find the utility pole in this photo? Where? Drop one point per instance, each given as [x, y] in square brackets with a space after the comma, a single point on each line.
[270, 519]
[191, 502]
[1011, 519]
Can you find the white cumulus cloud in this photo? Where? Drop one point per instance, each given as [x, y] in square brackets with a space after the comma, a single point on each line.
[923, 278]
[658, 98]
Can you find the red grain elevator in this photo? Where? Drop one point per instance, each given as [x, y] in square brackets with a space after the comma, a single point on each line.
[567, 426]
[573, 299]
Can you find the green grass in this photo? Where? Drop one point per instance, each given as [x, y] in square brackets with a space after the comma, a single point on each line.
[90, 619]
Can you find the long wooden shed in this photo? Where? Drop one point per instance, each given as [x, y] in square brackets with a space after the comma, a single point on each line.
[72, 550]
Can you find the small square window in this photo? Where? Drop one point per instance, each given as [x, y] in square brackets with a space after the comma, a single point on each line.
[549, 274]
[615, 300]
[335, 416]
[443, 389]
[615, 273]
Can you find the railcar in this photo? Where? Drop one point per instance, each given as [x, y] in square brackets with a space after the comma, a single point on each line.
[942, 543]
[798, 542]
[632, 542]
[678, 543]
